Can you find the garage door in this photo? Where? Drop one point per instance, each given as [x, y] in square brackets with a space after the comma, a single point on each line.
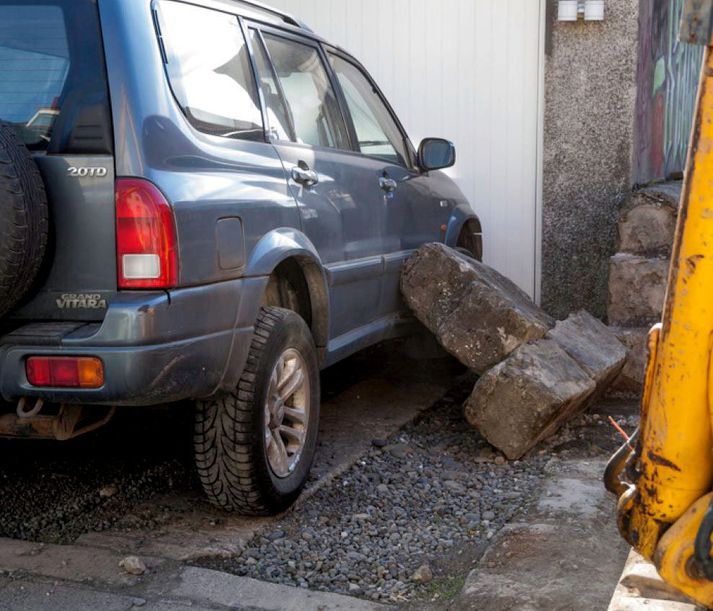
[470, 71]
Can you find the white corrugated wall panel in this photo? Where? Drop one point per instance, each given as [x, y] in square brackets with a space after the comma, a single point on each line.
[470, 71]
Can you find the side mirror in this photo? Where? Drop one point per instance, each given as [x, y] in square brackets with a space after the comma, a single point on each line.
[436, 154]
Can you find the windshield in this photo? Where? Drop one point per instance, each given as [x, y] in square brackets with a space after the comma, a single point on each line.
[50, 63]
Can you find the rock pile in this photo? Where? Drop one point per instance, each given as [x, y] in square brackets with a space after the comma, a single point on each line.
[535, 373]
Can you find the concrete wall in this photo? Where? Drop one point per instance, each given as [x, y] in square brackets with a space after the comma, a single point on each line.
[590, 94]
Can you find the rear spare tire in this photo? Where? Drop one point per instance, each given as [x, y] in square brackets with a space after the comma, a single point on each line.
[23, 220]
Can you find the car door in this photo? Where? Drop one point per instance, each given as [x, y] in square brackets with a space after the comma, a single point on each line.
[338, 195]
[414, 213]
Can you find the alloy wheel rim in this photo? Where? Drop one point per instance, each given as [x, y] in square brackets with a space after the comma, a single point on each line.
[287, 408]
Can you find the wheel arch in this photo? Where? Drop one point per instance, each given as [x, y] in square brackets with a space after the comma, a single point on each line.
[466, 231]
[288, 255]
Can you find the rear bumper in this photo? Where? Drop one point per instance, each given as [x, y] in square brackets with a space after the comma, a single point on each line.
[156, 347]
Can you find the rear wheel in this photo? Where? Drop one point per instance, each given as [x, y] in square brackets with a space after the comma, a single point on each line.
[254, 447]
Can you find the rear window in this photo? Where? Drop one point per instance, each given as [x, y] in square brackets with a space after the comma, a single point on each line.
[209, 70]
[53, 87]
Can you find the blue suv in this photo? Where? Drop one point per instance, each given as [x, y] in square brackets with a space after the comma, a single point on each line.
[200, 201]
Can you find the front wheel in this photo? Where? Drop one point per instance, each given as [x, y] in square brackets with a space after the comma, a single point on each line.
[254, 446]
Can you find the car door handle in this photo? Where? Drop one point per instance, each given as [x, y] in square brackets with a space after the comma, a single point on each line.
[305, 176]
[388, 184]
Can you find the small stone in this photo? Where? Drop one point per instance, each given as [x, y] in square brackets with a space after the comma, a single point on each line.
[133, 565]
[454, 486]
[423, 574]
[489, 515]
[379, 443]
[355, 590]
[499, 460]
[276, 535]
[108, 491]
[400, 450]
[382, 489]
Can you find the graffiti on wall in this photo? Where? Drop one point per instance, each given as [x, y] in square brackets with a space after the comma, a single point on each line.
[667, 82]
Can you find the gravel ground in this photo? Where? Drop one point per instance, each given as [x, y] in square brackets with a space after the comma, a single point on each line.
[53, 492]
[415, 504]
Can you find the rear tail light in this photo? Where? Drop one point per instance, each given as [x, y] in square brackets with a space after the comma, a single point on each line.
[65, 371]
[146, 245]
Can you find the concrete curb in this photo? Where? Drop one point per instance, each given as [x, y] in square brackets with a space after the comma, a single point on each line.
[641, 589]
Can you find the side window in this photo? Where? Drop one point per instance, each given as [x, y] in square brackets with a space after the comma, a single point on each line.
[278, 117]
[316, 116]
[209, 70]
[377, 132]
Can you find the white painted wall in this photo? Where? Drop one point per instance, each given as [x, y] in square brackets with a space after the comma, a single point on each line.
[470, 71]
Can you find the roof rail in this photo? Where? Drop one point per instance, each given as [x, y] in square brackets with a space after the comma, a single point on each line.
[286, 17]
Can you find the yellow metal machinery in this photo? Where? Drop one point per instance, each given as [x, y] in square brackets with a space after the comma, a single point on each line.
[664, 474]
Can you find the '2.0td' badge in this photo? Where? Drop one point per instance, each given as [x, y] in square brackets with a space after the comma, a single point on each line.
[81, 301]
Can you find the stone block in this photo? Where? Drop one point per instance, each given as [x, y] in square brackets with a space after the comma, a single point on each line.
[631, 379]
[648, 221]
[593, 345]
[527, 397]
[637, 287]
[477, 315]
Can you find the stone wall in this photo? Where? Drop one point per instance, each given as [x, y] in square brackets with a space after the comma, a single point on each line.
[590, 93]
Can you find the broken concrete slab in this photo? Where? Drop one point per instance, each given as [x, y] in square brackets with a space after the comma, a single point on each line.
[594, 347]
[526, 398]
[637, 288]
[477, 315]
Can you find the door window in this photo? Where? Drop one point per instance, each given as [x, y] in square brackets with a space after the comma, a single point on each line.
[313, 105]
[209, 69]
[279, 123]
[377, 132]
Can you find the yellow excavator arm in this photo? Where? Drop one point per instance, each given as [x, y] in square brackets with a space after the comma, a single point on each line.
[664, 475]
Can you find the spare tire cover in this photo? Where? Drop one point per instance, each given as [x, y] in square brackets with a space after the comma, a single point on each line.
[23, 220]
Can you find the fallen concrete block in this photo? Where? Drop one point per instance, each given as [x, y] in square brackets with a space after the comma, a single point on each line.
[631, 379]
[477, 315]
[527, 397]
[637, 288]
[648, 220]
[594, 347]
